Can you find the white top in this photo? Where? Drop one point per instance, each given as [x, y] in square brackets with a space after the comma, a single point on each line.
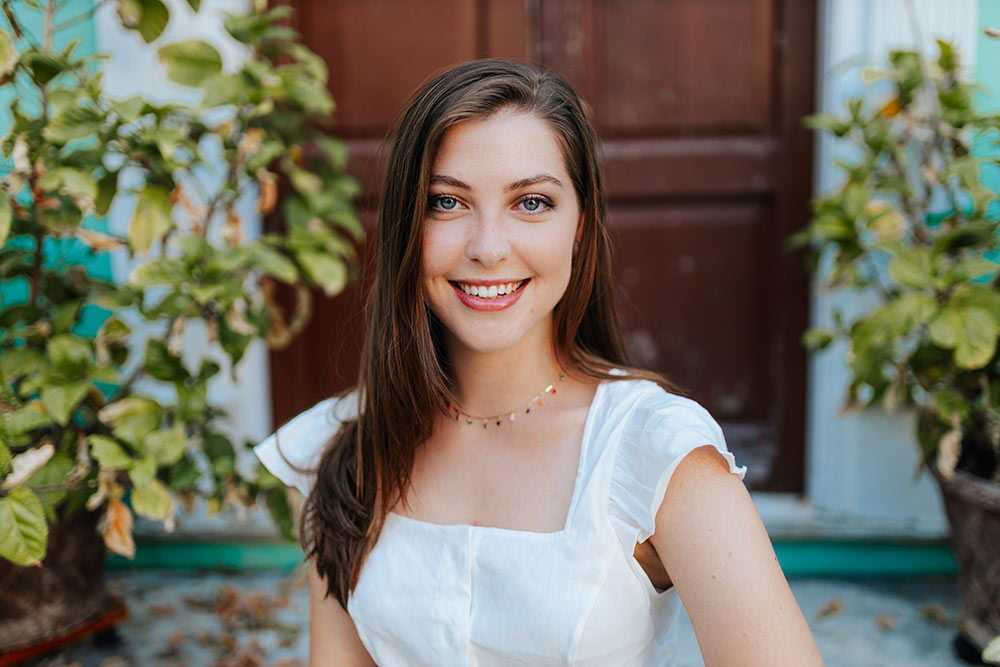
[443, 595]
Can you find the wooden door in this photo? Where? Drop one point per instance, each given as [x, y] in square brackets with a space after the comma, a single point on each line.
[698, 105]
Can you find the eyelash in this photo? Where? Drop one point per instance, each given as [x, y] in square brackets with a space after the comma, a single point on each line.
[549, 205]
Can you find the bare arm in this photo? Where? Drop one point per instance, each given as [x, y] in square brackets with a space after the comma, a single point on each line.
[714, 546]
[333, 639]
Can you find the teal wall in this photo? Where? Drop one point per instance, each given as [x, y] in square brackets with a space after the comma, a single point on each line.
[57, 252]
[988, 75]
[798, 558]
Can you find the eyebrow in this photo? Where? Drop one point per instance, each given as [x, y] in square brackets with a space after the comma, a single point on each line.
[440, 179]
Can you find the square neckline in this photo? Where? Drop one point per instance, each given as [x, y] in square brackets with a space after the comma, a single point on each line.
[535, 534]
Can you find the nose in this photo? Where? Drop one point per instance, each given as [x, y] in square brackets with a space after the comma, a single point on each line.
[487, 242]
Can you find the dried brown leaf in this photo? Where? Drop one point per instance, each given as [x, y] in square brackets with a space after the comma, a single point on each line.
[116, 528]
[936, 613]
[268, 191]
[831, 607]
[885, 622]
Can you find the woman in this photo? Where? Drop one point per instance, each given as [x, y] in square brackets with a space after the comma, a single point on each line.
[495, 491]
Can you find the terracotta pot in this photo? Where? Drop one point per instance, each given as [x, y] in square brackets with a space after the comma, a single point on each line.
[42, 604]
[973, 508]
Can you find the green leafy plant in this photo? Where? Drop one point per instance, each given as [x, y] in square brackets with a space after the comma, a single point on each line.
[914, 223]
[75, 433]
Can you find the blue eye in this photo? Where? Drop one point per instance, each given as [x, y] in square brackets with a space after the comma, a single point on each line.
[444, 203]
[535, 204]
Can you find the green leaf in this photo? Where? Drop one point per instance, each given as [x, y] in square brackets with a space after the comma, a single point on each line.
[336, 151]
[129, 109]
[107, 187]
[971, 234]
[72, 182]
[977, 296]
[328, 272]
[66, 316]
[162, 271]
[6, 218]
[77, 122]
[70, 355]
[827, 227]
[252, 27]
[163, 365]
[281, 512]
[5, 459]
[854, 200]
[133, 417]
[971, 331]
[151, 499]
[151, 219]
[43, 66]
[303, 180]
[8, 54]
[266, 479]
[183, 475]
[912, 266]
[221, 454]
[24, 533]
[966, 169]
[61, 400]
[817, 338]
[828, 122]
[971, 268]
[148, 17]
[53, 472]
[26, 418]
[947, 58]
[273, 263]
[167, 446]
[195, 4]
[191, 62]
[108, 453]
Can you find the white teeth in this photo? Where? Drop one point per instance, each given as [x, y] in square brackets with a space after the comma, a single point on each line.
[491, 292]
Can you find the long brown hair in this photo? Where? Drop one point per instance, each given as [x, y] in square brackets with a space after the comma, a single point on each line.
[404, 380]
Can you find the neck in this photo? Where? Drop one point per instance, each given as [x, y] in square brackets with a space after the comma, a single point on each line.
[496, 382]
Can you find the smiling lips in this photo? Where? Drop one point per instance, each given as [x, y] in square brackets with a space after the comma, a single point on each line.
[489, 297]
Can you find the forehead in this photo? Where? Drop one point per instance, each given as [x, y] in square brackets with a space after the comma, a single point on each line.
[506, 146]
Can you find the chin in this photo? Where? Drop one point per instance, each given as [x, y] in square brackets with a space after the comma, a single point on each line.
[479, 340]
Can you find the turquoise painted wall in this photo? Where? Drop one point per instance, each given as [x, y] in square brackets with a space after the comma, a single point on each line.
[57, 252]
[988, 75]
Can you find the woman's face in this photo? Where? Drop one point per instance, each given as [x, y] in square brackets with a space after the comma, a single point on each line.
[502, 217]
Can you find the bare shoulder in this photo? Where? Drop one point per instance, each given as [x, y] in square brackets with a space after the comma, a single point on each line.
[333, 638]
[716, 550]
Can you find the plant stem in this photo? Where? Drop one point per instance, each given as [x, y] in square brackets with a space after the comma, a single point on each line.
[50, 13]
[15, 25]
[62, 486]
[81, 18]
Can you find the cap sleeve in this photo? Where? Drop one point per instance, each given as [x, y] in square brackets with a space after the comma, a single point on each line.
[302, 441]
[659, 433]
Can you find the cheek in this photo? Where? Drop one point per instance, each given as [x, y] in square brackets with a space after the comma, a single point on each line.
[436, 256]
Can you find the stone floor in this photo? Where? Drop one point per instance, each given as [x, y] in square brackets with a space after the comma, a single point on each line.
[252, 619]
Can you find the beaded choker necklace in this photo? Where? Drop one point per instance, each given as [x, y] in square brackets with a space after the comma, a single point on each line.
[505, 416]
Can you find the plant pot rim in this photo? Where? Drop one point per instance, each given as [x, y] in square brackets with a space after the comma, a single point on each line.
[970, 488]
